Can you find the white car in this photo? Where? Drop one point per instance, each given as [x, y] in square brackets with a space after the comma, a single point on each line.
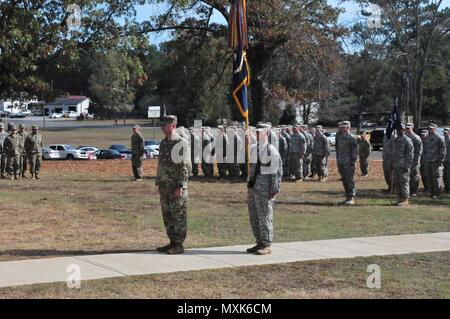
[332, 139]
[73, 115]
[63, 151]
[55, 116]
[90, 150]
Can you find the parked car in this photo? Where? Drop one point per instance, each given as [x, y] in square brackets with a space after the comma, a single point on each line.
[332, 139]
[55, 116]
[18, 115]
[367, 124]
[118, 147]
[63, 151]
[73, 115]
[126, 154]
[90, 116]
[151, 153]
[108, 154]
[90, 150]
[376, 138]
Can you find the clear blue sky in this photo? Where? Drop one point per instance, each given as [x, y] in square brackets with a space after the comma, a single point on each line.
[350, 16]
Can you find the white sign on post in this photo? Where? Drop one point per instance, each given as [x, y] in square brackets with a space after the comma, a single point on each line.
[154, 112]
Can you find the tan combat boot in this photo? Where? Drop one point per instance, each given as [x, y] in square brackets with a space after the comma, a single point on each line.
[176, 249]
[403, 202]
[350, 201]
[264, 251]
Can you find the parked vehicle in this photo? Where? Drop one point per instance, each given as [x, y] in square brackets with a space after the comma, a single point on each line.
[73, 115]
[90, 150]
[108, 154]
[55, 116]
[126, 154]
[151, 153]
[18, 115]
[63, 151]
[332, 139]
[118, 147]
[376, 138]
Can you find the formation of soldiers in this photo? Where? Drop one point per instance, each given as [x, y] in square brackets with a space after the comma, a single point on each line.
[18, 149]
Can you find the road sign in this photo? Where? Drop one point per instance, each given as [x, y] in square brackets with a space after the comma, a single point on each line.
[154, 112]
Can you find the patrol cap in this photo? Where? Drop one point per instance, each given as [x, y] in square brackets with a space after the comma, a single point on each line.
[432, 125]
[21, 126]
[319, 127]
[423, 132]
[260, 127]
[169, 119]
[34, 127]
[220, 127]
[447, 129]
[409, 125]
[135, 126]
[340, 124]
[346, 124]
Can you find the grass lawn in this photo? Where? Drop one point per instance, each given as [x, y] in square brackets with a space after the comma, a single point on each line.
[404, 276]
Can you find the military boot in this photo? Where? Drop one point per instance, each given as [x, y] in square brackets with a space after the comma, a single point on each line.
[350, 201]
[32, 176]
[165, 248]
[176, 249]
[403, 202]
[254, 249]
[264, 251]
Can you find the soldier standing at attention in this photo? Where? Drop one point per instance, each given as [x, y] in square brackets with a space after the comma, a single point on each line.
[387, 162]
[434, 150]
[423, 137]
[287, 135]
[308, 154]
[404, 156]
[3, 156]
[137, 152]
[283, 147]
[33, 148]
[447, 160]
[11, 146]
[297, 150]
[195, 143]
[174, 169]
[22, 135]
[320, 153]
[415, 167]
[221, 152]
[263, 186]
[208, 154]
[346, 156]
[364, 154]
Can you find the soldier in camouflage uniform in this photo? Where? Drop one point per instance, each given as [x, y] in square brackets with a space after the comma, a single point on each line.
[208, 153]
[308, 154]
[263, 186]
[423, 137]
[415, 166]
[232, 162]
[137, 152]
[403, 152]
[434, 152]
[387, 157]
[195, 155]
[11, 147]
[22, 135]
[287, 135]
[320, 153]
[364, 154]
[221, 152]
[3, 156]
[346, 157]
[33, 148]
[283, 147]
[174, 169]
[447, 160]
[297, 151]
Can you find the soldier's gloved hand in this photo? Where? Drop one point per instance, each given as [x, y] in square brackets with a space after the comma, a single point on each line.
[178, 192]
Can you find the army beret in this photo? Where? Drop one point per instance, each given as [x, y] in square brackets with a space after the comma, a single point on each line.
[409, 125]
[432, 125]
[169, 119]
[136, 126]
[34, 127]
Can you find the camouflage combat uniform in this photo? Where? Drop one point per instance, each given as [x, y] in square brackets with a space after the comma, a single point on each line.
[221, 154]
[321, 151]
[415, 165]
[308, 154]
[434, 152]
[404, 157]
[447, 165]
[33, 148]
[23, 155]
[387, 160]
[208, 155]
[137, 152]
[364, 155]
[346, 157]
[422, 165]
[195, 155]
[3, 156]
[170, 176]
[11, 147]
[283, 149]
[297, 150]
[261, 185]
[285, 160]
[232, 162]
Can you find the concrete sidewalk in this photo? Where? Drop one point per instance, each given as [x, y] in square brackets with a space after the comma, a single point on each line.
[25, 272]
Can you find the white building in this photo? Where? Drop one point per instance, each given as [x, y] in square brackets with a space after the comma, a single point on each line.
[15, 106]
[75, 103]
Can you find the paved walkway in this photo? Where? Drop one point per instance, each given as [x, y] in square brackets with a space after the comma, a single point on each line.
[25, 272]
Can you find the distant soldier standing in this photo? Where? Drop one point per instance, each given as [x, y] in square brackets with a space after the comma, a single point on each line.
[415, 166]
[208, 153]
[3, 156]
[33, 148]
[283, 147]
[404, 157]
[263, 186]
[308, 154]
[320, 153]
[297, 151]
[423, 137]
[174, 169]
[137, 152]
[287, 135]
[346, 156]
[22, 135]
[447, 160]
[364, 154]
[434, 150]
[195, 156]
[11, 147]
[387, 156]
[221, 152]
